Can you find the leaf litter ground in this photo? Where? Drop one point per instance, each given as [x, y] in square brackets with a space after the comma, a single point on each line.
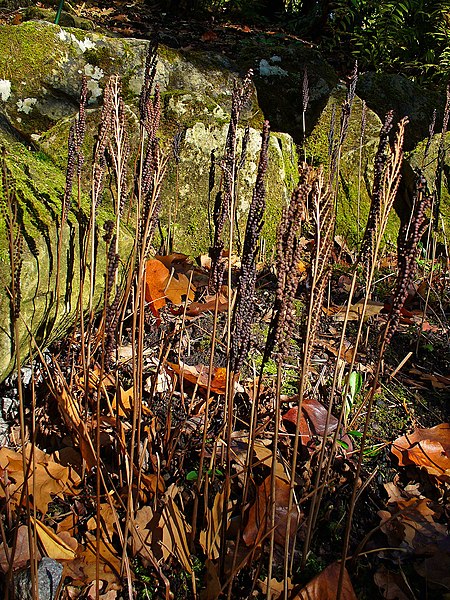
[176, 539]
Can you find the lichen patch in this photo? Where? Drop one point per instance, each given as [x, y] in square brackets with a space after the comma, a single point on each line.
[26, 105]
[5, 89]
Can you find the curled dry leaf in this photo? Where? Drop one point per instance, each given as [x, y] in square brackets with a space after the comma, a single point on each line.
[258, 524]
[426, 448]
[325, 586]
[49, 479]
[162, 284]
[198, 375]
[58, 547]
[312, 420]
[392, 585]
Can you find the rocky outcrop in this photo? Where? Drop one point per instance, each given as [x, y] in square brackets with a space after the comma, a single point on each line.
[36, 187]
[40, 80]
[386, 91]
[39, 95]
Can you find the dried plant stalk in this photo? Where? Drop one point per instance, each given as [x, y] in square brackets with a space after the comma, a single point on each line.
[244, 307]
[388, 164]
[225, 199]
[407, 248]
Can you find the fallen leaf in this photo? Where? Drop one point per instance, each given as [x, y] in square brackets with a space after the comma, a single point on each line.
[258, 523]
[47, 480]
[313, 419]
[210, 537]
[177, 287]
[410, 523]
[199, 376]
[435, 569]
[109, 563]
[196, 308]
[426, 448]
[156, 279]
[22, 553]
[162, 534]
[180, 263]
[276, 588]
[373, 308]
[392, 585]
[325, 586]
[58, 547]
[212, 583]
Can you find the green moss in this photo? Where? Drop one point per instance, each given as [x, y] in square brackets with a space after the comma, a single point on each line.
[39, 189]
[428, 165]
[26, 50]
[355, 179]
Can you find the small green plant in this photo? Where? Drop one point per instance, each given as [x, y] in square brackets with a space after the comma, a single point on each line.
[354, 385]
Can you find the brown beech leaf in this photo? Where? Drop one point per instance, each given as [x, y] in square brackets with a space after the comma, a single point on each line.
[50, 479]
[156, 278]
[199, 376]
[258, 524]
[325, 585]
[426, 448]
[392, 585]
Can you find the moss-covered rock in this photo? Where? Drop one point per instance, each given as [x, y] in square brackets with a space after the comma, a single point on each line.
[38, 188]
[355, 166]
[427, 162]
[279, 70]
[196, 90]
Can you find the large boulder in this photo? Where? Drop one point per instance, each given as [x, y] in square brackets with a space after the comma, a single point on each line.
[36, 187]
[356, 163]
[39, 99]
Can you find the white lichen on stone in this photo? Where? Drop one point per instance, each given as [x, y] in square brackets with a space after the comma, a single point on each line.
[95, 90]
[267, 70]
[26, 105]
[93, 72]
[5, 89]
[83, 45]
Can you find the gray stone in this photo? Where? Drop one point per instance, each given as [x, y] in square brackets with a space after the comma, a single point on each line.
[385, 91]
[49, 578]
